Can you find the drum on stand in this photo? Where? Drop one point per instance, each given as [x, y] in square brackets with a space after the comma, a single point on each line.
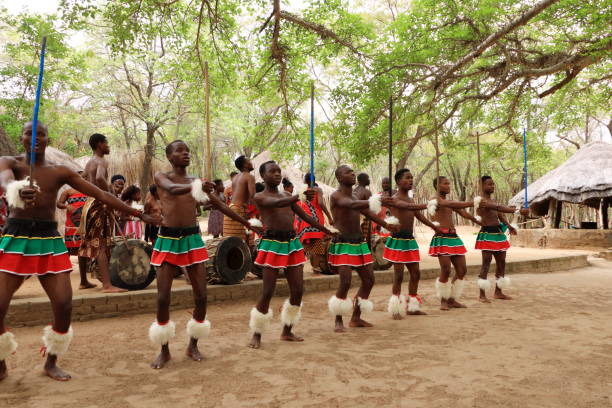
[378, 246]
[230, 260]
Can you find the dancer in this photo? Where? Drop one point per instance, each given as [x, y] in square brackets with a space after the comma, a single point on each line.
[492, 241]
[279, 249]
[179, 245]
[31, 245]
[73, 201]
[448, 247]
[243, 190]
[401, 248]
[152, 207]
[362, 192]
[349, 251]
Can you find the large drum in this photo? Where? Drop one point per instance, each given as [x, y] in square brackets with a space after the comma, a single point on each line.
[230, 260]
[378, 246]
[130, 264]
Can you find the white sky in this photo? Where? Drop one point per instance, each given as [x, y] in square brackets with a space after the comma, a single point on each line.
[38, 6]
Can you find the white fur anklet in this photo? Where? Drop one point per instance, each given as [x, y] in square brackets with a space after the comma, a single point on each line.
[8, 345]
[56, 343]
[365, 305]
[396, 304]
[198, 330]
[290, 314]
[414, 304]
[197, 192]
[443, 289]
[260, 322]
[161, 334]
[503, 282]
[12, 192]
[340, 307]
[375, 203]
[457, 289]
[484, 284]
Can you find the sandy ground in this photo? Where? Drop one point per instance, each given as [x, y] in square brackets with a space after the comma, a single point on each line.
[31, 288]
[549, 347]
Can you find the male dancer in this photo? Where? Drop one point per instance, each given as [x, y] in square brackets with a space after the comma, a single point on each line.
[350, 251]
[386, 187]
[279, 249]
[179, 245]
[362, 192]
[152, 207]
[243, 190]
[448, 247]
[401, 248]
[97, 223]
[31, 245]
[492, 241]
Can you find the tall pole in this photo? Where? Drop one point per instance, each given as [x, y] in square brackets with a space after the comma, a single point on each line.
[208, 174]
[41, 70]
[479, 168]
[437, 166]
[390, 145]
[525, 203]
[312, 135]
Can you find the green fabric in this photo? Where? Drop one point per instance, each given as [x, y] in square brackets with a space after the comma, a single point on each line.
[491, 237]
[402, 244]
[343, 248]
[33, 246]
[178, 245]
[438, 241]
[279, 247]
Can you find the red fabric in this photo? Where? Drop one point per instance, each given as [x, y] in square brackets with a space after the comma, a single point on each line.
[446, 250]
[401, 256]
[492, 246]
[351, 260]
[273, 260]
[192, 257]
[305, 230]
[34, 265]
[376, 229]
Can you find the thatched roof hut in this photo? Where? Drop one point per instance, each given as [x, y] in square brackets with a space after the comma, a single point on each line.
[56, 156]
[585, 178]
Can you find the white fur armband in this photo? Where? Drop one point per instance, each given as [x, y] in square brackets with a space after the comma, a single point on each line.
[432, 206]
[477, 201]
[290, 314]
[396, 304]
[260, 322]
[198, 330]
[197, 192]
[255, 222]
[56, 343]
[478, 218]
[12, 192]
[365, 305]
[8, 345]
[161, 334]
[340, 307]
[375, 203]
[436, 223]
[391, 220]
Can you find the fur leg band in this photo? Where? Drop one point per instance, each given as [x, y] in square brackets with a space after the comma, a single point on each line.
[443, 289]
[340, 307]
[260, 322]
[161, 334]
[56, 343]
[375, 203]
[197, 192]
[484, 284]
[414, 304]
[457, 289]
[365, 305]
[290, 314]
[12, 192]
[198, 330]
[396, 304]
[503, 282]
[8, 345]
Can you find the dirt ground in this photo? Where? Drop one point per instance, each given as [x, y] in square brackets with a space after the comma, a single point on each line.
[549, 347]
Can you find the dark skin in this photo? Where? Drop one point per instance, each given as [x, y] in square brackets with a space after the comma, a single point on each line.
[278, 210]
[346, 209]
[83, 262]
[243, 185]
[152, 206]
[361, 191]
[405, 209]
[179, 209]
[40, 205]
[444, 215]
[219, 192]
[492, 213]
[117, 187]
[315, 259]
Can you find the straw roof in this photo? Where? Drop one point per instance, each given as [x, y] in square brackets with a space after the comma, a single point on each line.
[56, 156]
[584, 178]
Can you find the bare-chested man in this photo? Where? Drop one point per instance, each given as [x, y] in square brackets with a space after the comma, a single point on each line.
[31, 245]
[243, 190]
[349, 251]
[180, 245]
[492, 241]
[279, 249]
[448, 247]
[98, 220]
[152, 206]
[401, 248]
[362, 192]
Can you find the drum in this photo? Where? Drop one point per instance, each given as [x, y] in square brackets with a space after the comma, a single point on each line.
[129, 265]
[230, 260]
[378, 246]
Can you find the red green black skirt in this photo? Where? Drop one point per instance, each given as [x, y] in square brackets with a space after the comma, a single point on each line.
[31, 247]
[349, 252]
[446, 244]
[179, 247]
[280, 249]
[493, 238]
[401, 247]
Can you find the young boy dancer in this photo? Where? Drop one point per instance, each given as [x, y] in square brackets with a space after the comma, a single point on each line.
[279, 249]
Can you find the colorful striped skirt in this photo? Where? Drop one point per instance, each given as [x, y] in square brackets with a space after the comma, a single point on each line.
[30, 247]
[181, 246]
[353, 252]
[280, 249]
[493, 238]
[446, 244]
[401, 247]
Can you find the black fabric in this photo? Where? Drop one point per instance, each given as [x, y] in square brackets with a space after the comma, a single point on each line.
[283, 236]
[403, 234]
[179, 232]
[151, 232]
[493, 229]
[355, 238]
[23, 227]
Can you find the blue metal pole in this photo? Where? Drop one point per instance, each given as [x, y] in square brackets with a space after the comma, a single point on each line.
[525, 202]
[312, 135]
[41, 69]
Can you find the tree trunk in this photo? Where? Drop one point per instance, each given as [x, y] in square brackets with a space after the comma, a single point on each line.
[149, 150]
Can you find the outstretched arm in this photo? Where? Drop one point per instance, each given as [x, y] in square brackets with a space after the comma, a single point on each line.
[370, 215]
[302, 214]
[401, 204]
[221, 206]
[497, 207]
[345, 202]
[503, 219]
[467, 215]
[274, 202]
[163, 181]
[419, 216]
[454, 204]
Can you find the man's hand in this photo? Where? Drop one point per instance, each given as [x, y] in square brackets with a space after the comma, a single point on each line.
[512, 230]
[524, 212]
[207, 186]
[28, 195]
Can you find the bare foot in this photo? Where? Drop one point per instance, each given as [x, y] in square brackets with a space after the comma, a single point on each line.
[53, 371]
[397, 316]
[193, 352]
[162, 359]
[3, 371]
[359, 323]
[501, 296]
[444, 304]
[456, 305]
[483, 300]
[255, 342]
[417, 313]
[113, 289]
[339, 325]
[87, 285]
[291, 337]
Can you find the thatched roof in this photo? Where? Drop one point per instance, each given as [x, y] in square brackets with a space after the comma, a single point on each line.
[129, 164]
[584, 178]
[56, 156]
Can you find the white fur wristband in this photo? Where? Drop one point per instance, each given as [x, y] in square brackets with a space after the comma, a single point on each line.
[197, 192]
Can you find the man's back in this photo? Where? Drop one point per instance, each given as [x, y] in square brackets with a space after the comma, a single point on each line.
[96, 172]
[240, 188]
